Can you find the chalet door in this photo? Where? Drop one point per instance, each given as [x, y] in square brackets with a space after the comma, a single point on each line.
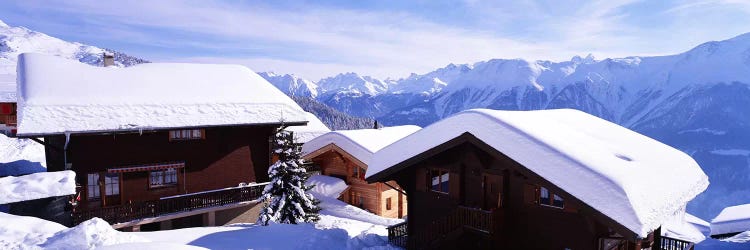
[493, 190]
[111, 189]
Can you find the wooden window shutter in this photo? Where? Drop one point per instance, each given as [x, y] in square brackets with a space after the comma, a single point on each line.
[530, 194]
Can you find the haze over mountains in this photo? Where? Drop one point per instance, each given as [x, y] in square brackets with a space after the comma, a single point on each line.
[697, 101]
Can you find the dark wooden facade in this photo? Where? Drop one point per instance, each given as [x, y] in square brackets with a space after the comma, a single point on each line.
[222, 157]
[493, 202]
[8, 118]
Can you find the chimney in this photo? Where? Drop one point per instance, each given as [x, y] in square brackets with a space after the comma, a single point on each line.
[108, 59]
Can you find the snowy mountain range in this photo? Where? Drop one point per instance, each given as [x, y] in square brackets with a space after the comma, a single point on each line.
[696, 101]
[17, 40]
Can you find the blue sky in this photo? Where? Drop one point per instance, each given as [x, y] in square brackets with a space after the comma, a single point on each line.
[383, 38]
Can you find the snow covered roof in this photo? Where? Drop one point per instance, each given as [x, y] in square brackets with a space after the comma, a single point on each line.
[687, 227]
[733, 219]
[57, 95]
[633, 179]
[326, 186]
[314, 128]
[360, 143]
[37, 186]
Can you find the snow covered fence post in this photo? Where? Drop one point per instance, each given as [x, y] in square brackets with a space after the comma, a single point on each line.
[286, 194]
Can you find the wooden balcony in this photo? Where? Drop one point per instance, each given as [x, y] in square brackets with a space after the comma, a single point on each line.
[462, 218]
[177, 204]
[668, 243]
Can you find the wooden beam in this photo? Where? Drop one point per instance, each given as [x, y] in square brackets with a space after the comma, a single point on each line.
[398, 190]
[45, 144]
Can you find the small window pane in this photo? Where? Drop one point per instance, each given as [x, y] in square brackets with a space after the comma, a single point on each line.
[112, 184]
[444, 182]
[92, 184]
[435, 180]
[544, 197]
[558, 201]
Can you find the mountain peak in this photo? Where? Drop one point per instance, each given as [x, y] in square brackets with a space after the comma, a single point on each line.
[588, 59]
[3, 24]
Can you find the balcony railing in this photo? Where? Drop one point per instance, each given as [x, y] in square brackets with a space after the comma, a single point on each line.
[176, 204]
[461, 218]
[668, 243]
[397, 234]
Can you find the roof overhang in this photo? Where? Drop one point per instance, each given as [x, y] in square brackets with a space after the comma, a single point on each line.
[333, 148]
[153, 129]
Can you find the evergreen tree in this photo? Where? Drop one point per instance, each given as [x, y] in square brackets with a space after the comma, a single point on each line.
[289, 201]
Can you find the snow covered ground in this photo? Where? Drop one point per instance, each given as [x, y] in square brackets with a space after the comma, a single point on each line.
[37, 186]
[21, 156]
[341, 226]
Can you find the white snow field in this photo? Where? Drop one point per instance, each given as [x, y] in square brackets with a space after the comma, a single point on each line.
[37, 186]
[58, 95]
[341, 226]
[21, 156]
[314, 128]
[360, 143]
[732, 220]
[633, 179]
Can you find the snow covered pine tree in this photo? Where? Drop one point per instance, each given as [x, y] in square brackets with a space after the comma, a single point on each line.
[289, 201]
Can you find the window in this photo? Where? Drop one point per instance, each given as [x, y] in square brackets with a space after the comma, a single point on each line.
[163, 178]
[358, 173]
[186, 134]
[388, 203]
[547, 198]
[361, 201]
[439, 180]
[112, 184]
[92, 186]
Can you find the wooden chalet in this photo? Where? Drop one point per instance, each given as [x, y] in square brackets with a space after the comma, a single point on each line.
[346, 154]
[558, 179]
[155, 146]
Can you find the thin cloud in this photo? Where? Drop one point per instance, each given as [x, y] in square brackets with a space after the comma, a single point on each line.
[316, 41]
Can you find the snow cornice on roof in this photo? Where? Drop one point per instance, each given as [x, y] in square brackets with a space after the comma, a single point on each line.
[360, 143]
[630, 178]
[57, 96]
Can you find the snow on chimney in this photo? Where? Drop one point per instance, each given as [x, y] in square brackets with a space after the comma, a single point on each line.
[109, 59]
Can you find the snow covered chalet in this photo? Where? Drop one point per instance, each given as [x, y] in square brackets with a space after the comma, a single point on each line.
[158, 145]
[552, 179]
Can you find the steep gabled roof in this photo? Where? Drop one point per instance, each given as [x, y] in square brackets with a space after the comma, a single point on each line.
[633, 179]
[57, 96]
[734, 219]
[360, 143]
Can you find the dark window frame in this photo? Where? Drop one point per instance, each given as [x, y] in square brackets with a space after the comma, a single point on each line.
[187, 134]
[388, 203]
[443, 186]
[93, 183]
[550, 200]
[168, 178]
